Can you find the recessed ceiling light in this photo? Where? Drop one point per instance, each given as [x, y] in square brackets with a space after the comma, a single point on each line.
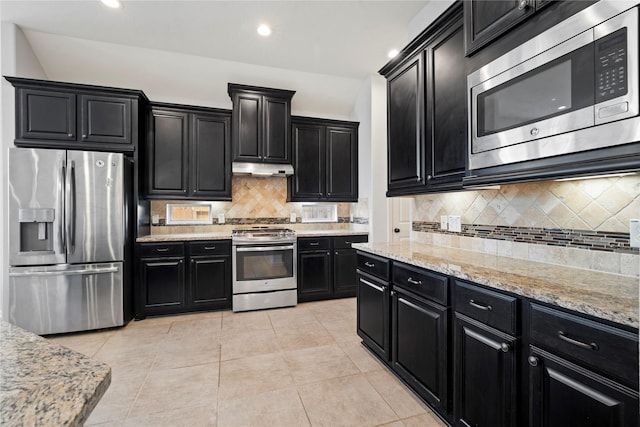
[264, 30]
[113, 4]
[393, 53]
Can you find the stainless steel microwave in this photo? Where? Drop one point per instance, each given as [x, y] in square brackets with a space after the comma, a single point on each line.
[573, 88]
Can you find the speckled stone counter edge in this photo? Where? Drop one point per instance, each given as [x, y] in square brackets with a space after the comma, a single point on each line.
[43, 383]
[227, 235]
[611, 309]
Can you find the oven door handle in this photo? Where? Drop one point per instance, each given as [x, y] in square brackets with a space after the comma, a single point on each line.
[264, 248]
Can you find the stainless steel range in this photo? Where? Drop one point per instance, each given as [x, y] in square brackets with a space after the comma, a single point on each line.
[264, 268]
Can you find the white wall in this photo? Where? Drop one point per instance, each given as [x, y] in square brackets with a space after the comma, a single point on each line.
[186, 79]
[426, 16]
[379, 219]
[362, 114]
[16, 58]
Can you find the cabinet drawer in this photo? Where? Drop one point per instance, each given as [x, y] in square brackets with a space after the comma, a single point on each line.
[212, 247]
[374, 265]
[422, 282]
[602, 347]
[314, 243]
[161, 249]
[344, 242]
[489, 307]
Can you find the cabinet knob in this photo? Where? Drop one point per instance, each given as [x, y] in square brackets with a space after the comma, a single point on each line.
[396, 230]
[329, 253]
[84, 136]
[505, 347]
[429, 177]
[523, 4]
[393, 293]
[533, 361]
[337, 253]
[70, 135]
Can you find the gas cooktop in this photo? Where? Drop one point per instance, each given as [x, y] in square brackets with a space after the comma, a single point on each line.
[262, 233]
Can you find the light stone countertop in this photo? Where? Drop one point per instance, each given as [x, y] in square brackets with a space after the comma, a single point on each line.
[45, 384]
[227, 235]
[607, 296]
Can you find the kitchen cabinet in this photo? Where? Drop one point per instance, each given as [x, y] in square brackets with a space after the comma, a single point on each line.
[65, 115]
[188, 153]
[486, 383]
[327, 267]
[261, 121]
[373, 308]
[486, 20]
[426, 110]
[325, 160]
[166, 286]
[420, 333]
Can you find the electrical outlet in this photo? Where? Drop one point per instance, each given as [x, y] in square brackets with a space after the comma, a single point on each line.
[634, 233]
[221, 219]
[454, 223]
[443, 222]
[293, 217]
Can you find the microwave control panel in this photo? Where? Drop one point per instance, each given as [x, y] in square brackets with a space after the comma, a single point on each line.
[611, 66]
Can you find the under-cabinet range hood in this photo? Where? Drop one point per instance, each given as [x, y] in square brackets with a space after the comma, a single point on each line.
[261, 169]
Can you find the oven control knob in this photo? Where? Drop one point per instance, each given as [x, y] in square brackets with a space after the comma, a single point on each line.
[534, 131]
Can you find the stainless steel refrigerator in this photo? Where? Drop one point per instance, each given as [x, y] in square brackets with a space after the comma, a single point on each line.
[67, 240]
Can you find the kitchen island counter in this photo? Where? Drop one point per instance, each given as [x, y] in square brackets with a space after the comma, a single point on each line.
[43, 383]
[607, 296]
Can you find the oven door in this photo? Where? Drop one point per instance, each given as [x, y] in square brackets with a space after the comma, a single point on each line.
[260, 268]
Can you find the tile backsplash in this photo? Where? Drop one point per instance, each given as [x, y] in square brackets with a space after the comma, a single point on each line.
[579, 223]
[264, 200]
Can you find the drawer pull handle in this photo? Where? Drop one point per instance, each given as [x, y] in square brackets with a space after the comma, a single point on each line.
[414, 282]
[314, 244]
[472, 303]
[505, 347]
[369, 264]
[347, 243]
[209, 248]
[162, 249]
[591, 346]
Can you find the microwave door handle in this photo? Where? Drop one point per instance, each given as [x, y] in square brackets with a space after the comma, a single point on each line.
[264, 248]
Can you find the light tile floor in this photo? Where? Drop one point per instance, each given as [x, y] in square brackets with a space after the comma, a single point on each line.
[301, 366]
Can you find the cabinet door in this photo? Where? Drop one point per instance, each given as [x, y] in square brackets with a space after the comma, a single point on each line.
[314, 275]
[373, 315]
[485, 20]
[420, 353]
[486, 386]
[210, 160]
[308, 182]
[247, 127]
[163, 285]
[564, 394]
[345, 280]
[405, 110]
[168, 154]
[342, 164]
[105, 119]
[446, 137]
[45, 114]
[276, 140]
[209, 282]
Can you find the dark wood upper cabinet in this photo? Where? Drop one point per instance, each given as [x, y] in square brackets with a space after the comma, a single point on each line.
[188, 153]
[261, 124]
[486, 20]
[325, 160]
[426, 116]
[73, 116]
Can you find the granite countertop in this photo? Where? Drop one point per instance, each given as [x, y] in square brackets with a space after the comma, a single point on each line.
[227, 235]
[607, 296]
[45, 384]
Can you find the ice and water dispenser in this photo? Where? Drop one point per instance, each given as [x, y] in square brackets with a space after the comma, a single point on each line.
[36, 229]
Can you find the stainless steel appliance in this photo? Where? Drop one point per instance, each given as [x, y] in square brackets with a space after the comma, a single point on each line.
[264, 268]
[573, 88]
[67, 240]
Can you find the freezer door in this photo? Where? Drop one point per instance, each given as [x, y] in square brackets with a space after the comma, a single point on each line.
[95, 207]
[36, 206]
[66, 298]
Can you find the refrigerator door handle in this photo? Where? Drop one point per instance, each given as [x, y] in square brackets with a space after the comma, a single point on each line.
[65, 272]
[62, 184]
[71, 210]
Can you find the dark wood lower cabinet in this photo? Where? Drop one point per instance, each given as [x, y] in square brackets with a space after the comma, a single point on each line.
[209, 282]
[345, 279]
[486, 375]
[373, 315]
[162, 285]
[419, 330]
[314, 271]
[564, 394]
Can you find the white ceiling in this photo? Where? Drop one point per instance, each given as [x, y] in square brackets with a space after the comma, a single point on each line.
[340, 38]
